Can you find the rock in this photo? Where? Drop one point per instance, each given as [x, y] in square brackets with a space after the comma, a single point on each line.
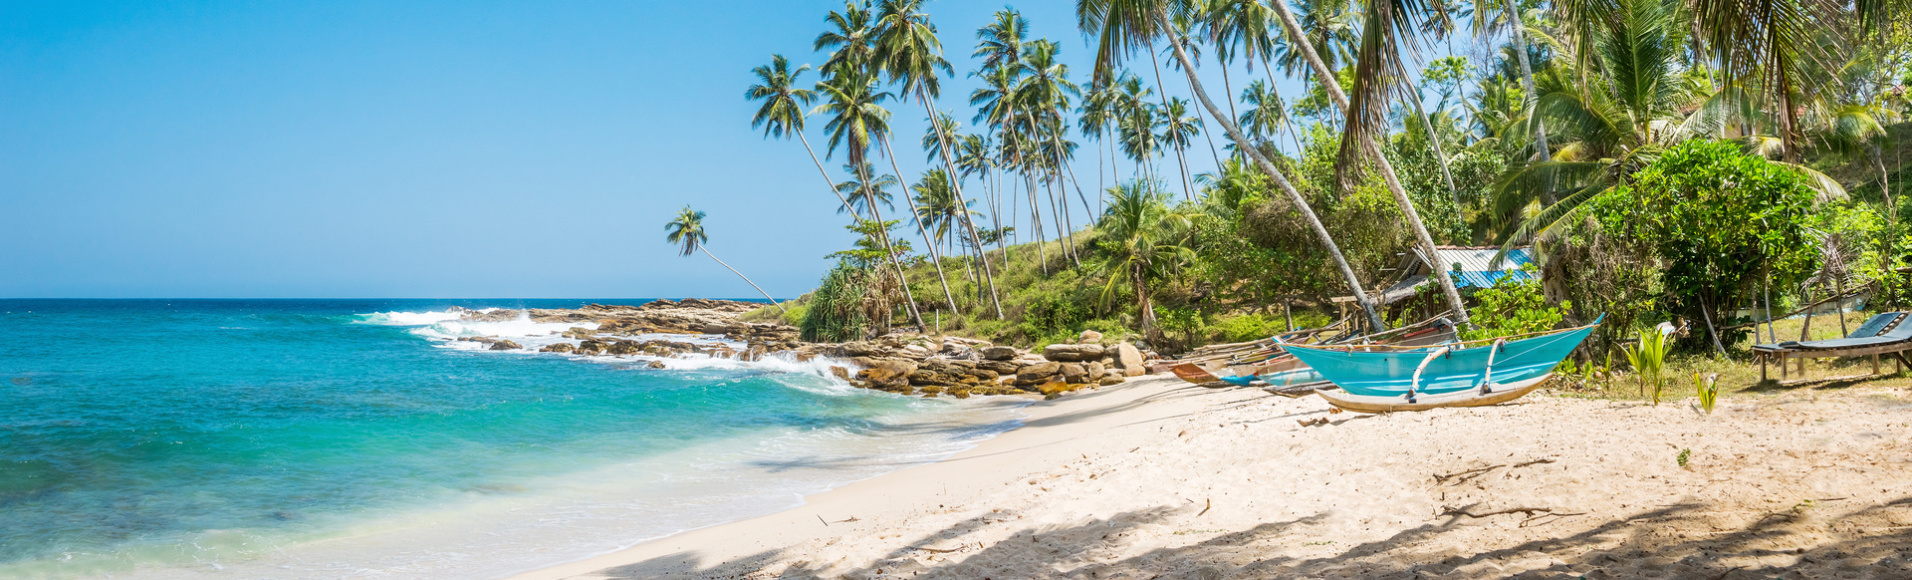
[840, 372]
[888, 373]
[1001, 367]
[1095, 371]
[505, 345]
[1110, 379]
[559, 347]
[864, 349]
[1089, 336]
[656, 364]
[1072, 352]
[1134, 372]
[1128, 357]
[914, 351]
[623, 347]
[1037, 374]
[580, 333]
[999, 352]
[1075, 373]
[590, 347]
[923, 377]
[1024, 360]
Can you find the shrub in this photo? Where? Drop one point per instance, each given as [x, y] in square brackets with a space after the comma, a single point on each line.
[1248, 327]
[1513, 307]
[837, 311]
[1649, 361]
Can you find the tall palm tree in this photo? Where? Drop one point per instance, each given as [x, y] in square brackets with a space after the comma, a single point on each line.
[1178, 127]
[866, 188]
[1043, 95]
[857, 118]
[851, 39]
[687, 231]
[1122, 26]
[1386, 33]
[782, 113]
[909, 52]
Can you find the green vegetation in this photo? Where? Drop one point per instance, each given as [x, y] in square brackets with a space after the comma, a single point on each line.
[1650, 183]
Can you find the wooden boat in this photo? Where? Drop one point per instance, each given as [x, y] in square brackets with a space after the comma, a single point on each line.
[1283, 371]
[1382, 379]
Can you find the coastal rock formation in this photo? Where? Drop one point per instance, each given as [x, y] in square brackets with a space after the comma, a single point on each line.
[1129, 359]
[999, 353]
[492, 343]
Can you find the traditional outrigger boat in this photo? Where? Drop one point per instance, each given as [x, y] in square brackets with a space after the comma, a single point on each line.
[1270, 364]
[1382, 379]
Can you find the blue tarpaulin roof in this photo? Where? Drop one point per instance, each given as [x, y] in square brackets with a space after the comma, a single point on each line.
[1476, 269]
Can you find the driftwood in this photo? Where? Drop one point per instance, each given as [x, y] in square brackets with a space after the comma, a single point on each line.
[1468, 475]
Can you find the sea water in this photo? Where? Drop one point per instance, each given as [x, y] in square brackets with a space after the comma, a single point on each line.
[357, 438]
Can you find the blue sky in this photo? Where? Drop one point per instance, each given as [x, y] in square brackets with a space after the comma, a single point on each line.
[425, 149]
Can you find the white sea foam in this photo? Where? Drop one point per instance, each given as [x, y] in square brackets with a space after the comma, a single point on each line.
[396, 318]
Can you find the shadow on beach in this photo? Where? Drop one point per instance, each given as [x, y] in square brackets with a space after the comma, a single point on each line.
[1676, 541]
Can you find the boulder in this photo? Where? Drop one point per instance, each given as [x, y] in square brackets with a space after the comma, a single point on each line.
[840, 372]
[505, 345]
[1095, 371]
[562, 347]
[1001, 367]
[999, 352]
[924, 376]
[1072, 352]
[1074, 373]
[624, 347]
[864, 349]
[888, 373]
[591, 347]
[1128, 358]
[1037, 374]
[914, 351]
[656, 364]
[1089, 336]
[1111, 379]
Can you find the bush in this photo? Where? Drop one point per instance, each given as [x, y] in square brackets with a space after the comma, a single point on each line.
[1248, 327]
[1722, 222]
[836, 311]
[1513, 307]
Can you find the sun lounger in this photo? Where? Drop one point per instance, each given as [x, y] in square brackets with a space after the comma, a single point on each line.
[1888, 334]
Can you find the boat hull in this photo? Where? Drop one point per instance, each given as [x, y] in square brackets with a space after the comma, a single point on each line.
[1393, 404]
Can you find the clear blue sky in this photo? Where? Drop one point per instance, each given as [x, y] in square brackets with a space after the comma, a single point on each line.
[424, 149]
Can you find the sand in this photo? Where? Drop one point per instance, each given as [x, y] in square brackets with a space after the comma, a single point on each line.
[1159, 479]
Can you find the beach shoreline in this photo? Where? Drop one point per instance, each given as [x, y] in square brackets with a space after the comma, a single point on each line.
[1160, 478]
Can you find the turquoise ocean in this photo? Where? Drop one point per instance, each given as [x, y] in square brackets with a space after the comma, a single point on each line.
[302, 439]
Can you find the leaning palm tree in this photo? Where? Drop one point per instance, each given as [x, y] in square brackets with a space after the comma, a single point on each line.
[687, 231]
[1267, 115]
[782, 112]
[852, 101]
[1120, 27]
[1387, 32]
[908, 51]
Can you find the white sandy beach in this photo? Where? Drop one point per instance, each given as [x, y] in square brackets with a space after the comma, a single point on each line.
[1159, 479]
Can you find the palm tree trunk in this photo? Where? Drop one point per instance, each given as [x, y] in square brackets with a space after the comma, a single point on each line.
[826, 178]
[766, 295]
[883, 235]
[1301, 203]
[1035, 221]
[1145, 308]
[1181, 160]
[916, 216]
[1212, 151]
[962, 206]
[1413, 217]
[1434, 140]
[1541, 150]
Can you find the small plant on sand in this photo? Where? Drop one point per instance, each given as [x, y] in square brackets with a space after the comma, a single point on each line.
[1649, 360]
[1708, 388]
[1685, 455]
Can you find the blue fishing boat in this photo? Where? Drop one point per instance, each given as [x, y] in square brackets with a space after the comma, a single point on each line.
[1461, 374]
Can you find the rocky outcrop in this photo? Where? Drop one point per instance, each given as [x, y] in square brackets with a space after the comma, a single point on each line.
[1129, 360]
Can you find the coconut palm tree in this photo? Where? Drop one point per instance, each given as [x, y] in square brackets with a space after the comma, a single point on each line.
[1178, 127]
[1268, 114]
[1139, 243]
[1495, 15]
[908, 51]
[1122, 26]
[687, 231]
[782, 113]
[851, 39]
[866, 188]
[857, 119]
[1388, 30]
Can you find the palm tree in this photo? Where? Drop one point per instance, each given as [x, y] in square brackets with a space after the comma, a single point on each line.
[911, 54]
[1121, 26]
[1268, 115]
[851, 39]
[1177, 128]
[856, 121]
[938, 208]
[1386, 33]
[687, 231]
[1137, 239]
[1510, 18]
[860, 192]
[782, 112]
[1043, 95]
